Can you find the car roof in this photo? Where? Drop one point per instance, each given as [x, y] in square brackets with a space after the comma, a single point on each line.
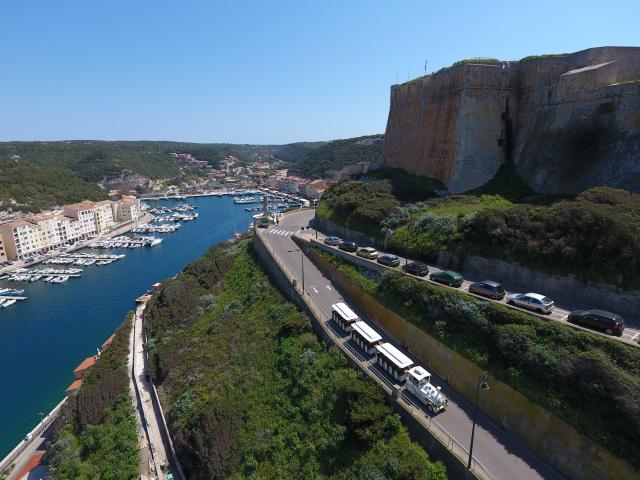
[418, 264]
[389, 255]
[491, 283]
[537, 296]
[451, 272]
[604, 313]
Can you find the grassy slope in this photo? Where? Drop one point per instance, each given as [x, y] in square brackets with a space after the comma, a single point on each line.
[251, 391]
[95, 433]
[569, 372]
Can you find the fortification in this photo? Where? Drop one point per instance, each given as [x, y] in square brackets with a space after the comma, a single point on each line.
[568, 122]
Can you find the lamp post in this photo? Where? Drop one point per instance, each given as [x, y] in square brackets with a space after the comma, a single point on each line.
[302, 263]
[482, 385]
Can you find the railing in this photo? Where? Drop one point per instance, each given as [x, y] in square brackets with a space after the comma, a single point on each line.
[439, 432]
[33, 435]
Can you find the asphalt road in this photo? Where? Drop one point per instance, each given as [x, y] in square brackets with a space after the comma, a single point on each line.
[560, 313]
[501, 453]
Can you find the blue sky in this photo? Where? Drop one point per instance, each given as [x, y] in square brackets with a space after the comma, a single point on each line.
[258, 72]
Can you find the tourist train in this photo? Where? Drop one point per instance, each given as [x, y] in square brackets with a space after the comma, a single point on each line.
[391, 360]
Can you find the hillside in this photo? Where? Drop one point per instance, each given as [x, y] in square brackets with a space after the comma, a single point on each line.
[316, 160]
[94, 435]
[251, 392]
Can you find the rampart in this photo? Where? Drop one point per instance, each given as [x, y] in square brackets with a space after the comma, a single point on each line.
[568, 122]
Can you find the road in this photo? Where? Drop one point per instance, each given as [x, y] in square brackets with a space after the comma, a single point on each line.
[153, 451]
[501, 454]
[631, 334]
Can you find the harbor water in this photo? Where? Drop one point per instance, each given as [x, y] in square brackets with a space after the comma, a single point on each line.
[45, 337]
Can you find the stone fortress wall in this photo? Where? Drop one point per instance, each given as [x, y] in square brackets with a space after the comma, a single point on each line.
[568, 122]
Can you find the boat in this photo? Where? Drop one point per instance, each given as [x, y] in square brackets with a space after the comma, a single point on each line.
[8, 302]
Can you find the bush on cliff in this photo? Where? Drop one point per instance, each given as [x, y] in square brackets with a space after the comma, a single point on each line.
[95, 432]
[252, 393]
[590, 381]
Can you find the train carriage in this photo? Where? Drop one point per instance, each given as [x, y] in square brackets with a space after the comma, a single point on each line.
[365, 337]
[393, 361]
[343, 316]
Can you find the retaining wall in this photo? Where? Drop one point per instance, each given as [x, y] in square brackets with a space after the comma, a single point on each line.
[573, 454]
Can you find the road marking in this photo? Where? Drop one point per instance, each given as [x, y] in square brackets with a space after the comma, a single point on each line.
[315, 290]
[635, 336]
[329, 288]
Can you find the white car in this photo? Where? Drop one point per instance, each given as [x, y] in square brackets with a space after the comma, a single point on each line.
[531, 301]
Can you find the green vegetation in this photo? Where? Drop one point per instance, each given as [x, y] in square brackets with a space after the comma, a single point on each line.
[594, 236]
[548, 55]
[95, 432]
[252, 393]
[590, 381]
[406, 187]
[33, 188]
[316, 161]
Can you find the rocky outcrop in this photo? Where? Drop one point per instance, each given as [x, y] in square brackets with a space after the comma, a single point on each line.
[568, 122]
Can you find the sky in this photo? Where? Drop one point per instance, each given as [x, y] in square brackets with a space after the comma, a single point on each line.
[258, 71]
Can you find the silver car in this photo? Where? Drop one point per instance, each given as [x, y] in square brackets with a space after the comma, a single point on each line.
[333, 241]
[531, 301]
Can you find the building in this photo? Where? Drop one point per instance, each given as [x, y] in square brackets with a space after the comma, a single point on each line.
[289, 184]
[103, 213]
[83, 212]
[3, 252]
[74, 388]
[22, 239]
[127, 209]
[312, 189]
[82, 370]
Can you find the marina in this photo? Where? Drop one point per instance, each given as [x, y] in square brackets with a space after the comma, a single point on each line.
[43, 338]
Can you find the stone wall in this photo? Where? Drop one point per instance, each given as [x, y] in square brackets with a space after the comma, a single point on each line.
[575, 455]
[330, 228]
[575, 116]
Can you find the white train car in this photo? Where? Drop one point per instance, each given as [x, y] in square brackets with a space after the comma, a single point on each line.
[365, 337]
[393, 361]
[343, 316]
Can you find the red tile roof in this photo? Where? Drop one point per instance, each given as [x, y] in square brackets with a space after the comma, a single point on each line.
[86, 364]
[74, 386]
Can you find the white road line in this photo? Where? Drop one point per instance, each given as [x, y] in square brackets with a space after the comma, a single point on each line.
[315, 290]
[329, 288]
[635, 336]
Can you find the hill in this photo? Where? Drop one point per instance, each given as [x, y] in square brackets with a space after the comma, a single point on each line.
[252, 393]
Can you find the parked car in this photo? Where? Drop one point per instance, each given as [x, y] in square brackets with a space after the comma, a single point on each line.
[531, 301]
[348, 246]
[607, 322]
[447, 277]
[333, 241]
[487, 288]
[367, 252]
[389, 260]
[416, 268]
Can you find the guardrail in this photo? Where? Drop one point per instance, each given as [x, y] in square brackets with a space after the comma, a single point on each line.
[34, 434]
[439, 432]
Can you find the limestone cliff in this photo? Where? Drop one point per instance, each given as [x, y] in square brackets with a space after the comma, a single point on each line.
[568, 122]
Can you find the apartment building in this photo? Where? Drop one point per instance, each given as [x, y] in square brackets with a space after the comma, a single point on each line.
[312, 189]
[83, 212]
[104, 218]
[127, 209]
[3, 252]
[23, 239]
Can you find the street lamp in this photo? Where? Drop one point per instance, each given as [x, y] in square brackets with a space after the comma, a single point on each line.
[482, 385]
[302, 263]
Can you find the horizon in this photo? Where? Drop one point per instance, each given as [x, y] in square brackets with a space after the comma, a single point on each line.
[253, 74]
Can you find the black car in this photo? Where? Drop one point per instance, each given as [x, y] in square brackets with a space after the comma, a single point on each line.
[417, 268]
[606, 322]
[487, 289]
[348, 246]
[389, 260]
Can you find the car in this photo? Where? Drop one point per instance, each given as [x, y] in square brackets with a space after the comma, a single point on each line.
[367, 252]
[262, 225]
[416, 268]
[607, 322]
[531, 301]
[333, 241]
[348, 246]
[487, 288]
[447, 277]
[389, 260]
